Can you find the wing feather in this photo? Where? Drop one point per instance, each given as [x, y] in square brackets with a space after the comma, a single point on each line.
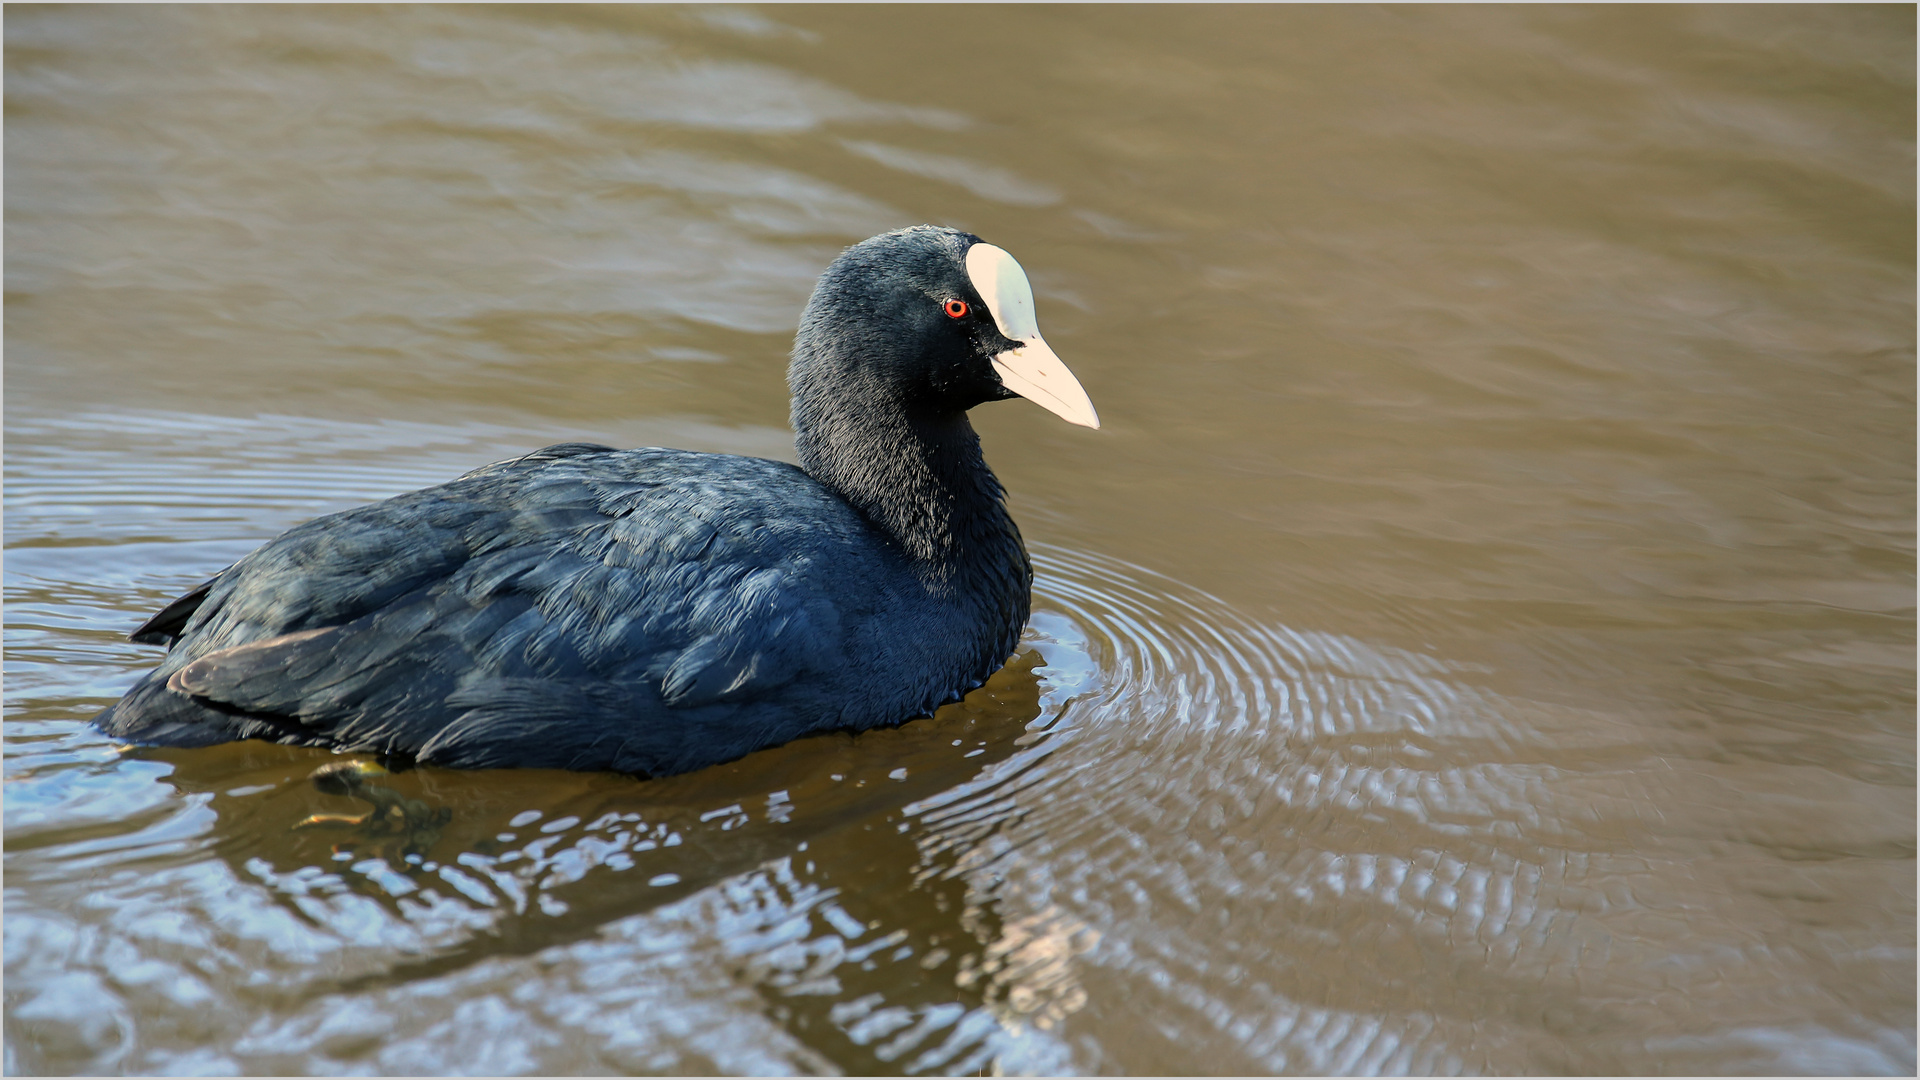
[580, 593]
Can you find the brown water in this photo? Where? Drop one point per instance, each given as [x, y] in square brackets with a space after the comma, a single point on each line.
[1481, 638]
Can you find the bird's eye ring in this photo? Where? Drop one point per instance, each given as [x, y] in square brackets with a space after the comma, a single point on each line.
[956, 309]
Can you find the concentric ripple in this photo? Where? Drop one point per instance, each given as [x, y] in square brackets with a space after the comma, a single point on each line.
[1164, 817]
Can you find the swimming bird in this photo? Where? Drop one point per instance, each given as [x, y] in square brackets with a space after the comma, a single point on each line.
[656, 611]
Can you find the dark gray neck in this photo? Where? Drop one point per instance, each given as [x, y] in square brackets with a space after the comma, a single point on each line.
[922, 481]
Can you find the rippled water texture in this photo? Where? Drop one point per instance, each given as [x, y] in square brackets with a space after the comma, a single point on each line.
[1481, 638]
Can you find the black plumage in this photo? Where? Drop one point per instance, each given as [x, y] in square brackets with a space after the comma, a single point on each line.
[648, 611]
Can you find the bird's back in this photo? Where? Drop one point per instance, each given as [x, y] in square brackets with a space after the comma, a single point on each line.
[647, 610]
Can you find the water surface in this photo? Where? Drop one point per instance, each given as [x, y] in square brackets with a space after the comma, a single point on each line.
[1480, 639]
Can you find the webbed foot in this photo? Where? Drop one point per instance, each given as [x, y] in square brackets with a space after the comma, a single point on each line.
[393, 814]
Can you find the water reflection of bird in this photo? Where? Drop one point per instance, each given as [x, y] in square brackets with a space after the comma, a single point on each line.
[534, 859]
[655, 611]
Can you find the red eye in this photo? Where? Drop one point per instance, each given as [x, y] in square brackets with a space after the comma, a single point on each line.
[956, 308]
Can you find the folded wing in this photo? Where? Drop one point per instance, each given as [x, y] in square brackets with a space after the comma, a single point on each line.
[590, 602]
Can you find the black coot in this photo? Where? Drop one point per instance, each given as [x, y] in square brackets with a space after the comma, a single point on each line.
[655, 611]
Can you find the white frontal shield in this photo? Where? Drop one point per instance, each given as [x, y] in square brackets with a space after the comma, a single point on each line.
[1031, 369]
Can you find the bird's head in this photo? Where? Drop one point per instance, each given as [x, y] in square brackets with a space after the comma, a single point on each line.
[929, 321]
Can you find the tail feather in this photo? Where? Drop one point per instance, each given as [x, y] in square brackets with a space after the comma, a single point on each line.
[152, 715]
